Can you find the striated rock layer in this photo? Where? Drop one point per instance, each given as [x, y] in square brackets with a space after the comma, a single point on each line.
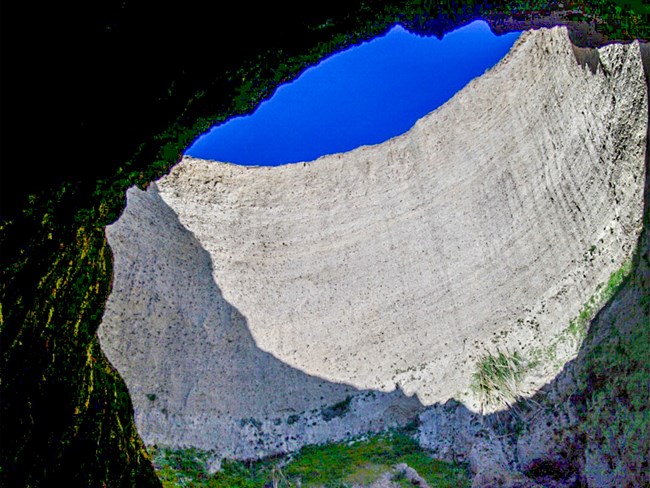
[258, 309]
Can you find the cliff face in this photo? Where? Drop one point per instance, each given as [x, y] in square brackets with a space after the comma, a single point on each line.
[257, 295]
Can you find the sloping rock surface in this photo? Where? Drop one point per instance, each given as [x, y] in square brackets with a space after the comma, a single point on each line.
[258, 309]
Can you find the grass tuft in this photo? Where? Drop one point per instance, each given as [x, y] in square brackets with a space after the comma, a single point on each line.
[497, 378]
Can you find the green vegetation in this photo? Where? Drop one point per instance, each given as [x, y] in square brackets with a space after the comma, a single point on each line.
[614, 377]
[361, 461]
[616, 19]
[579, 325]
[612, 372]
[497, 378]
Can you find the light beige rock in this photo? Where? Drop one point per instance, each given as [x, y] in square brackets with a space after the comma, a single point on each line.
[411, 475]
[244, 297]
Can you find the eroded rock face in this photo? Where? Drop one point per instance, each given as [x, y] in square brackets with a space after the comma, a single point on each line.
[255, 310]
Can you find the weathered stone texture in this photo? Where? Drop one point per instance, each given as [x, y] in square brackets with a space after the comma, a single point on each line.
[255, 295]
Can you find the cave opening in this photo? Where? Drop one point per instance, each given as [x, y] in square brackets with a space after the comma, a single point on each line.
[135, 105]
[363, 95]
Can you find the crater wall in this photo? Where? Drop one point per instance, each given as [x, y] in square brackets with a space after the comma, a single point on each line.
[250, 302]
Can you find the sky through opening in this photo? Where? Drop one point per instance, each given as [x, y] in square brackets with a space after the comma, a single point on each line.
[364, 95]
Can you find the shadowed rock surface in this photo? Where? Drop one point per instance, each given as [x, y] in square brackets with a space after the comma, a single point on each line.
[252, 295]
[197, 373]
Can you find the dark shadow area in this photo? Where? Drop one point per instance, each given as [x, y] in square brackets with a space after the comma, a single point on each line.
[588, 57]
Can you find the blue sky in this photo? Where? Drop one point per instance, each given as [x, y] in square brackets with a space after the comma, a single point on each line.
[364, 95]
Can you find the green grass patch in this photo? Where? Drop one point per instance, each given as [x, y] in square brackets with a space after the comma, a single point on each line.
[343, 464]
[579, 325]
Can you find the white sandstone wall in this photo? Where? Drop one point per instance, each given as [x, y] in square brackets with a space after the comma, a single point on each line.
[266, 293]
